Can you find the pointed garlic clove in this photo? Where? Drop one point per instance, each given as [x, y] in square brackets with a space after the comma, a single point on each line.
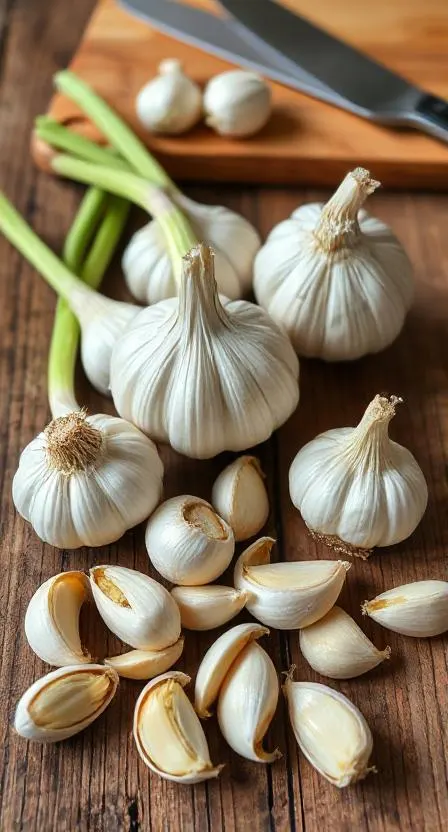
[247, 702]
[217, 662]
[336, 647]
[287, 595]
[136, 608]
[146, 664]
[419, 609]
[168, 734]
[239, 496]
[330, 730]
[52, 619]
[64, 702]
[206, 607]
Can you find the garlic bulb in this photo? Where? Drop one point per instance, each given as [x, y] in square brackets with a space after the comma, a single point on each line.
[168, 734]
[237, 103]
[145, 664]
[136, 608]
[218, 660]
[357, 489]
[330, 730]
[64, 702]
[187, 542]
[239, 496]
[419, 609]
[247, 702]
[334, 277]
[204, 376]
[52, 619]
[336, 647]
[206, 607]
[287, 595]
[171, 102]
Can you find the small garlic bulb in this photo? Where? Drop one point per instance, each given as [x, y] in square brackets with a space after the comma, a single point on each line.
[171, 102]
[239, 496]
[357, 489]
[237, 103]
[207, 607]
[52, 619]
[419, 609]
[146, 664]
[334, 277]
[187, 542]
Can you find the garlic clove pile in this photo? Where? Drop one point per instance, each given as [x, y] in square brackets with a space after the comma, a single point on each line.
[187, 542]
[287, 595]
[171, 102]
[237, 103]
[64, 702]
[146, 664]
[419, 609]
[239, 496]
[168, 734]
[355, 488]
[136, 608]
[330, 730]
[336, 647]
[207, 607]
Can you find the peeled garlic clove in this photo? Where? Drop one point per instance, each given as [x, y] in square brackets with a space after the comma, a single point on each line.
[64, 702]
[206, 607]
[52, 619]
[217, 662]
[287, 595]
[247, 702]
[419, 609]
[330, 730]
[146, 664]
[136, 608]
[336, 647]
[237, 103]
[187, 542]
[171, 102]
[168, 734]
[239, 496]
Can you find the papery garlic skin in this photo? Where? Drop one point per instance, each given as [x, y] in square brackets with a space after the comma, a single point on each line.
[357, 486]
[237, 103]
[170, 103]
[146, 664]
[334, 277]
[168, 734]
[330, 731]
[136, 608]
[207, 607]
[418, 609]
[287, 595]
[336, 647]
[239, 495]
[64, 702]
[52, 619]
[187, 542]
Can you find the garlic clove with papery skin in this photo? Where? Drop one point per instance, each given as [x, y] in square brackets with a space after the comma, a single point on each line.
[207, 607]
[239, 495]
[170, 103]
[418, 609]
[237, 103]
[146, 664]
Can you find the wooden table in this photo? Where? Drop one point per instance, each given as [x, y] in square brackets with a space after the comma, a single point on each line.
[95, 781]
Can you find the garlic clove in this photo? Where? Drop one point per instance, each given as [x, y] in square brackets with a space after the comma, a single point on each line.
[247, 702]
[418, 609]
[336, 647]
[287, 595]
[168, 734]
[239, 496]
[170, 103]
[237, 103]
[146, 664]
[136, 608]
[330, 730]
[52, 619]
[64, 702]
[217, 662]
[207, 607]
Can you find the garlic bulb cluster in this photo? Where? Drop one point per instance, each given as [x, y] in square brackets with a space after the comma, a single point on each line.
[334, 277]
[203, 375]
[419, 609]
[237, 103]
[52, 619]
[357, 489]
[239, 496]
[207, 607]
[146, 664]
[171, 102]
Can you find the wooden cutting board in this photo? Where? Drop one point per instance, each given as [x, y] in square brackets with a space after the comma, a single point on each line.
[306, 141]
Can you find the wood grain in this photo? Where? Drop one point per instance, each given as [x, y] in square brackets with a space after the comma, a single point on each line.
[95, 782]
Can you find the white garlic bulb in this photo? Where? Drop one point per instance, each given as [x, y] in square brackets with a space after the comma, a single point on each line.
[335, 278]
[237, 103]
[146, 664]
[290, 594]
[203, 375]
[207, 607]
[336, 647]
[357, 489]
[171, 102]
[419, 609]
[239, 496]
[187, 542]
[52, 619]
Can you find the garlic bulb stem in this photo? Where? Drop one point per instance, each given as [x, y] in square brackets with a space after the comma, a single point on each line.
[55, 135]
[338, 225]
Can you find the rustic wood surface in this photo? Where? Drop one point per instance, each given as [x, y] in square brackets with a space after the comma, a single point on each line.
[95, 781]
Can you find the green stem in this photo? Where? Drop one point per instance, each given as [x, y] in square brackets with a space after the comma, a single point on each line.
[83, 228]
[60, 137]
